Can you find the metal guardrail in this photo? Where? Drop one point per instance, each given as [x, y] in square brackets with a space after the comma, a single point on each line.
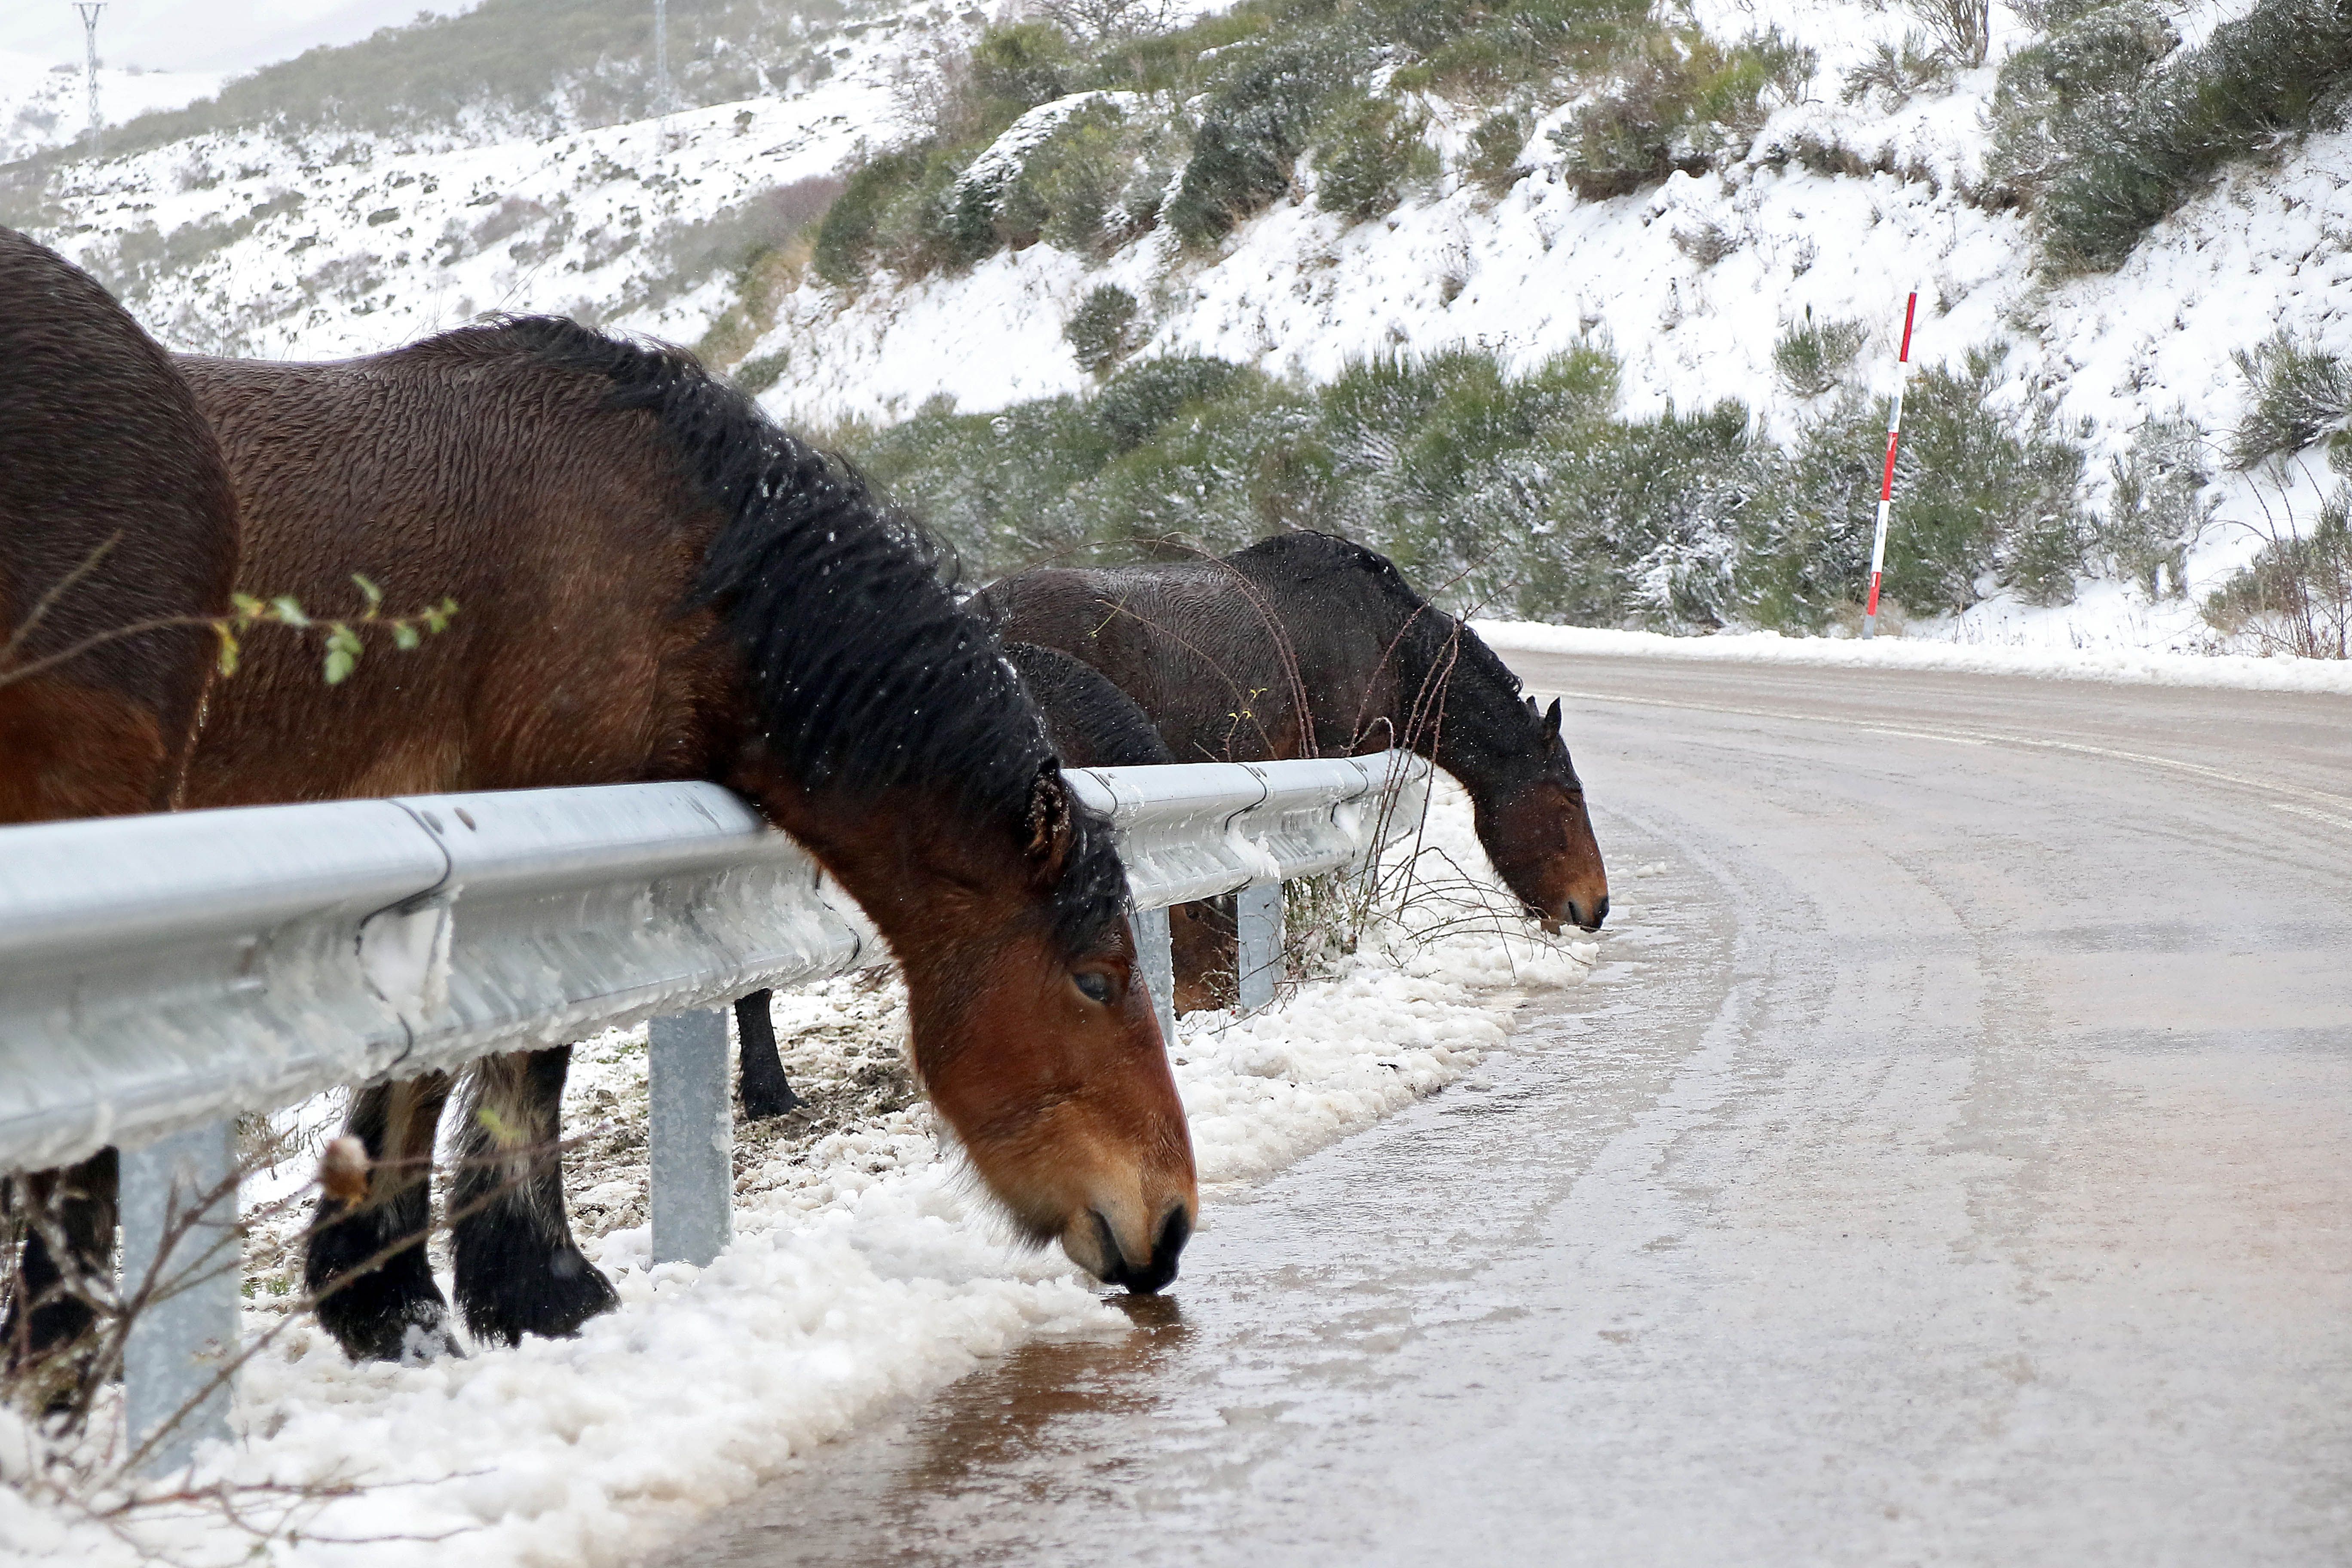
[161, 974]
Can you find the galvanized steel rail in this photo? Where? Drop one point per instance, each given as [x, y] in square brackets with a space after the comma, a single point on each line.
[160, 975]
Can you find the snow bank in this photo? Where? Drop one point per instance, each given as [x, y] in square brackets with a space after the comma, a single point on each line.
[867, 1271]
[2130, 667]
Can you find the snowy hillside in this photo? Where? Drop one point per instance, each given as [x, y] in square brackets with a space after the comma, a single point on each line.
[45, 104]
[697, 228]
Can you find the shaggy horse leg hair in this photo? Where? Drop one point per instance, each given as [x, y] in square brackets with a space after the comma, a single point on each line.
[45, 1320]
[393, 1311]
[519, 1270]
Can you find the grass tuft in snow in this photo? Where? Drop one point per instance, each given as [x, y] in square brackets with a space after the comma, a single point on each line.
[2296, 393]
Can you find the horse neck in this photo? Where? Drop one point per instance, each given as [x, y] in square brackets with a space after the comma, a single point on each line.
[1448, 707]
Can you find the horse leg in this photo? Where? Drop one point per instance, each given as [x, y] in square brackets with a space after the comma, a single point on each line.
[766, 1091]
[365, 1262]
[49, 1324]
[519, 1270]
[1205, 942]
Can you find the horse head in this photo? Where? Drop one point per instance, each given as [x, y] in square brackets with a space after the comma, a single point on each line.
[1536, 832]
[1031, 1027]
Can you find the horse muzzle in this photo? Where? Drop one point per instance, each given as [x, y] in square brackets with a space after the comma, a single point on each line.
[1140, 1265]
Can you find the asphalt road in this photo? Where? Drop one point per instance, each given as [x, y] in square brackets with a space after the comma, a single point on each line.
[1951, 1162]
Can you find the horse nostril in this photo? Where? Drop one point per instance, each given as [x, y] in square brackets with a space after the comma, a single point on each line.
[1600, 913]
[1174, 1232]
[1158, 1269]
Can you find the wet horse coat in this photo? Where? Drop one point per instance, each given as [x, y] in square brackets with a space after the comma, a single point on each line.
[115, 512]
[655, 583]
[1307, 645]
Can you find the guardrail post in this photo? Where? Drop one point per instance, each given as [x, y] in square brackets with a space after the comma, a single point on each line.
[691, 1129]
[1156, 960]
[1257, 914]
[178, 1342]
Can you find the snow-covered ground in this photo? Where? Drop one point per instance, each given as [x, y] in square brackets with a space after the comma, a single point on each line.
[865, 1272]
[2118, 665]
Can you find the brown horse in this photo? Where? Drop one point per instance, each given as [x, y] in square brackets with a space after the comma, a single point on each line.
[655, 583]
[1306, 645]
[1089, 722]
[115, 514]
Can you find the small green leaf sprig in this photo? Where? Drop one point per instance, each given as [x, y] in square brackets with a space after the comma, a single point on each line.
[344, 641]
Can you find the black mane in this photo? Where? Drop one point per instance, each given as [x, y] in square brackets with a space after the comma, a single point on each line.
[867, 673]
[1483, 707]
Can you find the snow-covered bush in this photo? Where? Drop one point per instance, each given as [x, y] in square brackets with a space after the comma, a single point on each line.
[2280, 69]
[1252, 128]
[2056, 96]
[2296, 393]
[2156, 507]
[2296, 597]
[1812, 356]
[1370, 151]
[1895, 73]
[1679, 101]
[1496, 145]
[1097, 330]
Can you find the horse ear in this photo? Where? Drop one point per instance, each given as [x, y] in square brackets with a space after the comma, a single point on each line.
[1051, 826]
[1552, 718]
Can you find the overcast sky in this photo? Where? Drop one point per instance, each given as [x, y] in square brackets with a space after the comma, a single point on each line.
[203, 35]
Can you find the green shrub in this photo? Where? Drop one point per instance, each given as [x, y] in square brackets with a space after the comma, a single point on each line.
[757, 373]
[1371, 149]
[1134, 405]
[2055, 98]
[2153, 507]
[1016, 67]
[845, 240]
[1679, 101]
[1811, 356]
[1252, 130]
[2280, 68]
[1978, 494]
[1894, 72]
[2296, 597]
[1521, 43]
[1219, 474]
[1493, 164]
[1097, 330]
[2296, 394]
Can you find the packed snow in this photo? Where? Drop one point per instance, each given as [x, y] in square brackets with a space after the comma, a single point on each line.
[866, 1270]
[2120, 666]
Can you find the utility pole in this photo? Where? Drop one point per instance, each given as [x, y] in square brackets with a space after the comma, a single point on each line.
[661, 57]
[90, 10]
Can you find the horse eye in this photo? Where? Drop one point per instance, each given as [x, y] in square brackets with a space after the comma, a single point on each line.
[1093, 983]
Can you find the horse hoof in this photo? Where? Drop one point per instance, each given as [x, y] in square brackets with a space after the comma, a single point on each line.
[758, 1105]
[410, 1331]
[551, 1301]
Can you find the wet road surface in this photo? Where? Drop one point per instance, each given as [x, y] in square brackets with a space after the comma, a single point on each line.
[1950, 1162]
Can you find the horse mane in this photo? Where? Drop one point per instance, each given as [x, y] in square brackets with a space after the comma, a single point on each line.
[1480, 688]
[866, 675]
[1092, 723]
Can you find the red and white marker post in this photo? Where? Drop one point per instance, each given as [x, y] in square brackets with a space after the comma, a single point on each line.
[1886, 484]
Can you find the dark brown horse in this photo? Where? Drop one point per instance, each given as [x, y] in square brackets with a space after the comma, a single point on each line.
[115, 514]
[655, 583]
[1306, 645]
